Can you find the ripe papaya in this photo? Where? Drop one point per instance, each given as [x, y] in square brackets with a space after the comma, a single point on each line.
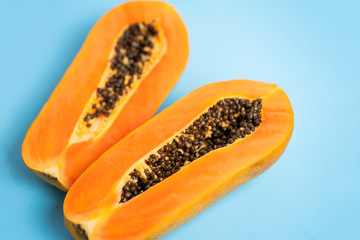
[181, 161]
[129, 62]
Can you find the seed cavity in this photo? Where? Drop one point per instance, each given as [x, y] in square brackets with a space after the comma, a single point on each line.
[137, 50]
[132, 52]
[224, 123]
[49, 177]
[81, 233]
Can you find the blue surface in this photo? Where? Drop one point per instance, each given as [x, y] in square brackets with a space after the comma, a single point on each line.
[309, 48]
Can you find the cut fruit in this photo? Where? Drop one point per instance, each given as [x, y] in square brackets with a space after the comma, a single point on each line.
[181, 161]
[130, 61]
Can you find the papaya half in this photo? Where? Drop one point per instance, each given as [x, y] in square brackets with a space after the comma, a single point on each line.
[178, 163]
[129, 62]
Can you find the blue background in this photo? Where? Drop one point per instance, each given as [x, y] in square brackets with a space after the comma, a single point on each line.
[309, 48]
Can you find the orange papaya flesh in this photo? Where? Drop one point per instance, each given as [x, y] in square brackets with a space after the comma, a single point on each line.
[102, 204]
[131, 59]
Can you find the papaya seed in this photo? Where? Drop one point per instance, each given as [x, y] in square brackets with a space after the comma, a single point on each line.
[132, 50]
[223, 124]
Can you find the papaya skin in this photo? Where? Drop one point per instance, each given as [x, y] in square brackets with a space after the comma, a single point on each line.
[47, 148]
[93, 201]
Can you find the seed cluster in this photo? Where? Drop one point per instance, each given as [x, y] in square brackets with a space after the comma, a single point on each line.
[132, 51]
[49, 177]
[225, 122]
[81, 232]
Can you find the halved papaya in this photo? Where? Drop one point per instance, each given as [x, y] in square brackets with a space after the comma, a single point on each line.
[181, 161]
[131, 59]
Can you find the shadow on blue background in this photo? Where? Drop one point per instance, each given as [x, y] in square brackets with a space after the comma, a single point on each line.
[310, 48]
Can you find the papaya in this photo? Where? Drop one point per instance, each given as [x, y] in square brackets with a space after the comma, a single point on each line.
[129, 62]
[181, 161]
